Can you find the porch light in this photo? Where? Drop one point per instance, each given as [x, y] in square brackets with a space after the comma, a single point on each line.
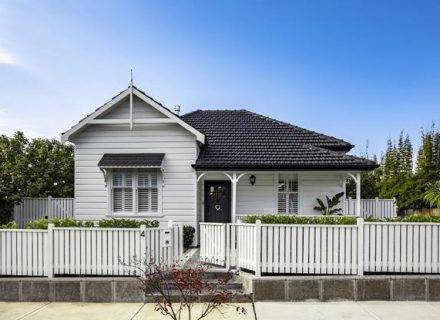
[252, 179]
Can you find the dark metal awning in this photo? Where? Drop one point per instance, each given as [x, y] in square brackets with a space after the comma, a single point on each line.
[131, 160]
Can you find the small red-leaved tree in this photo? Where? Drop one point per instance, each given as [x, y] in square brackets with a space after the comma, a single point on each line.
[176, 290]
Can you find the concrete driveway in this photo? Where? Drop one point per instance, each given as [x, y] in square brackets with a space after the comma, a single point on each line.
[264, 310]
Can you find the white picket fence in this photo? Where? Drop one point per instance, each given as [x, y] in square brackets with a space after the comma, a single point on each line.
[87, 251]
[23, 252]
[36, 208]
[379, 208]
[323, 249]
[402, 247]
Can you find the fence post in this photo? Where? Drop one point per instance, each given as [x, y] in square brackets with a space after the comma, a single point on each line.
[394, 208]
[228, 246]
[143, 243]
[49, 207]
[180, 254]
[377, 213]
[360, 225]
[49, 251]
[258, 248]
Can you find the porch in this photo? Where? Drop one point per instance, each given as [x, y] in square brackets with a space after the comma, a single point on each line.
[229, 196]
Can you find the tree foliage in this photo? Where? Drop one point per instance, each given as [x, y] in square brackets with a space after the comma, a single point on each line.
[33, 168]
[402, 177]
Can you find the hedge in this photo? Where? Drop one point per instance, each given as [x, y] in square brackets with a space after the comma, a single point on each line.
[9, 225]
[408, 218]
[105, 223]
[290, 219]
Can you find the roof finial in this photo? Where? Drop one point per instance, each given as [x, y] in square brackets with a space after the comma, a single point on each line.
[131, 77]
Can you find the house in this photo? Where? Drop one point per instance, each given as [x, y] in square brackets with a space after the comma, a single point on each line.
[134, 158]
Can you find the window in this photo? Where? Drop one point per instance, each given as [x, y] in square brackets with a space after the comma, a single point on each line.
[288, 194]
[135, 191]
[122, 191]
[147, 191]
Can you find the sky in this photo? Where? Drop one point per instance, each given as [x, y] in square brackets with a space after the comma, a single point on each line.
[358, 70]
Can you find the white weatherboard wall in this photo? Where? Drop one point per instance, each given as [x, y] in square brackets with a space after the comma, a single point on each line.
[318, 185]
[178, 199]
[140, 111]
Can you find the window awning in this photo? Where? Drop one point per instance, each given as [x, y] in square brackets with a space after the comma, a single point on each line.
[131, 160]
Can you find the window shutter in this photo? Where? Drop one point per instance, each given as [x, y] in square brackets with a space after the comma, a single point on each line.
[147, 191]
[293, 203]
[122, 191]
[282, 203]
[117, 200]
[154, 194]
[128, 200]
[288, 194]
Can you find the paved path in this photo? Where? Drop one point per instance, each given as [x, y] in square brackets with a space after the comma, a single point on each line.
[265, 310]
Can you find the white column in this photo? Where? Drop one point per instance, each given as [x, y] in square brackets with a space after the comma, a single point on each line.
[358, 194]
[234, 196]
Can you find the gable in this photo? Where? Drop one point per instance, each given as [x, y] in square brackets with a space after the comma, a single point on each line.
[141, 110]
[146, 111]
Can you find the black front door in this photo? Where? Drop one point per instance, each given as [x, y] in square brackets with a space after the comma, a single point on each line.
[218, 201]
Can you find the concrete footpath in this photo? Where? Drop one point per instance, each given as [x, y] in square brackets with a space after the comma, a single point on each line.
[264, 310]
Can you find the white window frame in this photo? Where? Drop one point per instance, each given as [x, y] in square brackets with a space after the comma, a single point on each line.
[135, 213]
[297, 192]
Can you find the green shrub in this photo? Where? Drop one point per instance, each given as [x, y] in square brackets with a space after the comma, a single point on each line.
[291, 219]
[9, 225]
[127, 223]
[188, 236]
[60, 223]
[408, 218]
[106, 223]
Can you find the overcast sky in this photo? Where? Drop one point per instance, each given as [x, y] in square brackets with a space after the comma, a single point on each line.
[357, 70]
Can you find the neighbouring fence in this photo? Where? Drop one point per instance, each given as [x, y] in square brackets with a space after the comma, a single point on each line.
[379, 208]
[87, 251]
[323, 249]
[36, 208]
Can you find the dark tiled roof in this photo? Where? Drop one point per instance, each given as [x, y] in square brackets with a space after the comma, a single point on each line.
[241, 139]
[126, 160]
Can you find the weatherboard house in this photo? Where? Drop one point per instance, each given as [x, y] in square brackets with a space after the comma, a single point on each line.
[134, 158]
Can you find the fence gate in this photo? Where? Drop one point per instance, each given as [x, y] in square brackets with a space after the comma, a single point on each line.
[213, 243]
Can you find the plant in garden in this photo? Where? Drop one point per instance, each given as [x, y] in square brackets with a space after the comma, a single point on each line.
[409, 218]
[127, 223]
[432, 196]
[9, 225]
[330, 208]
[105, 223]
[291, 219]
[188, 236]
[177, 290]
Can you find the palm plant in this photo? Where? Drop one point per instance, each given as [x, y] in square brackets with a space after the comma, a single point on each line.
[432, 196]
[330, 208]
